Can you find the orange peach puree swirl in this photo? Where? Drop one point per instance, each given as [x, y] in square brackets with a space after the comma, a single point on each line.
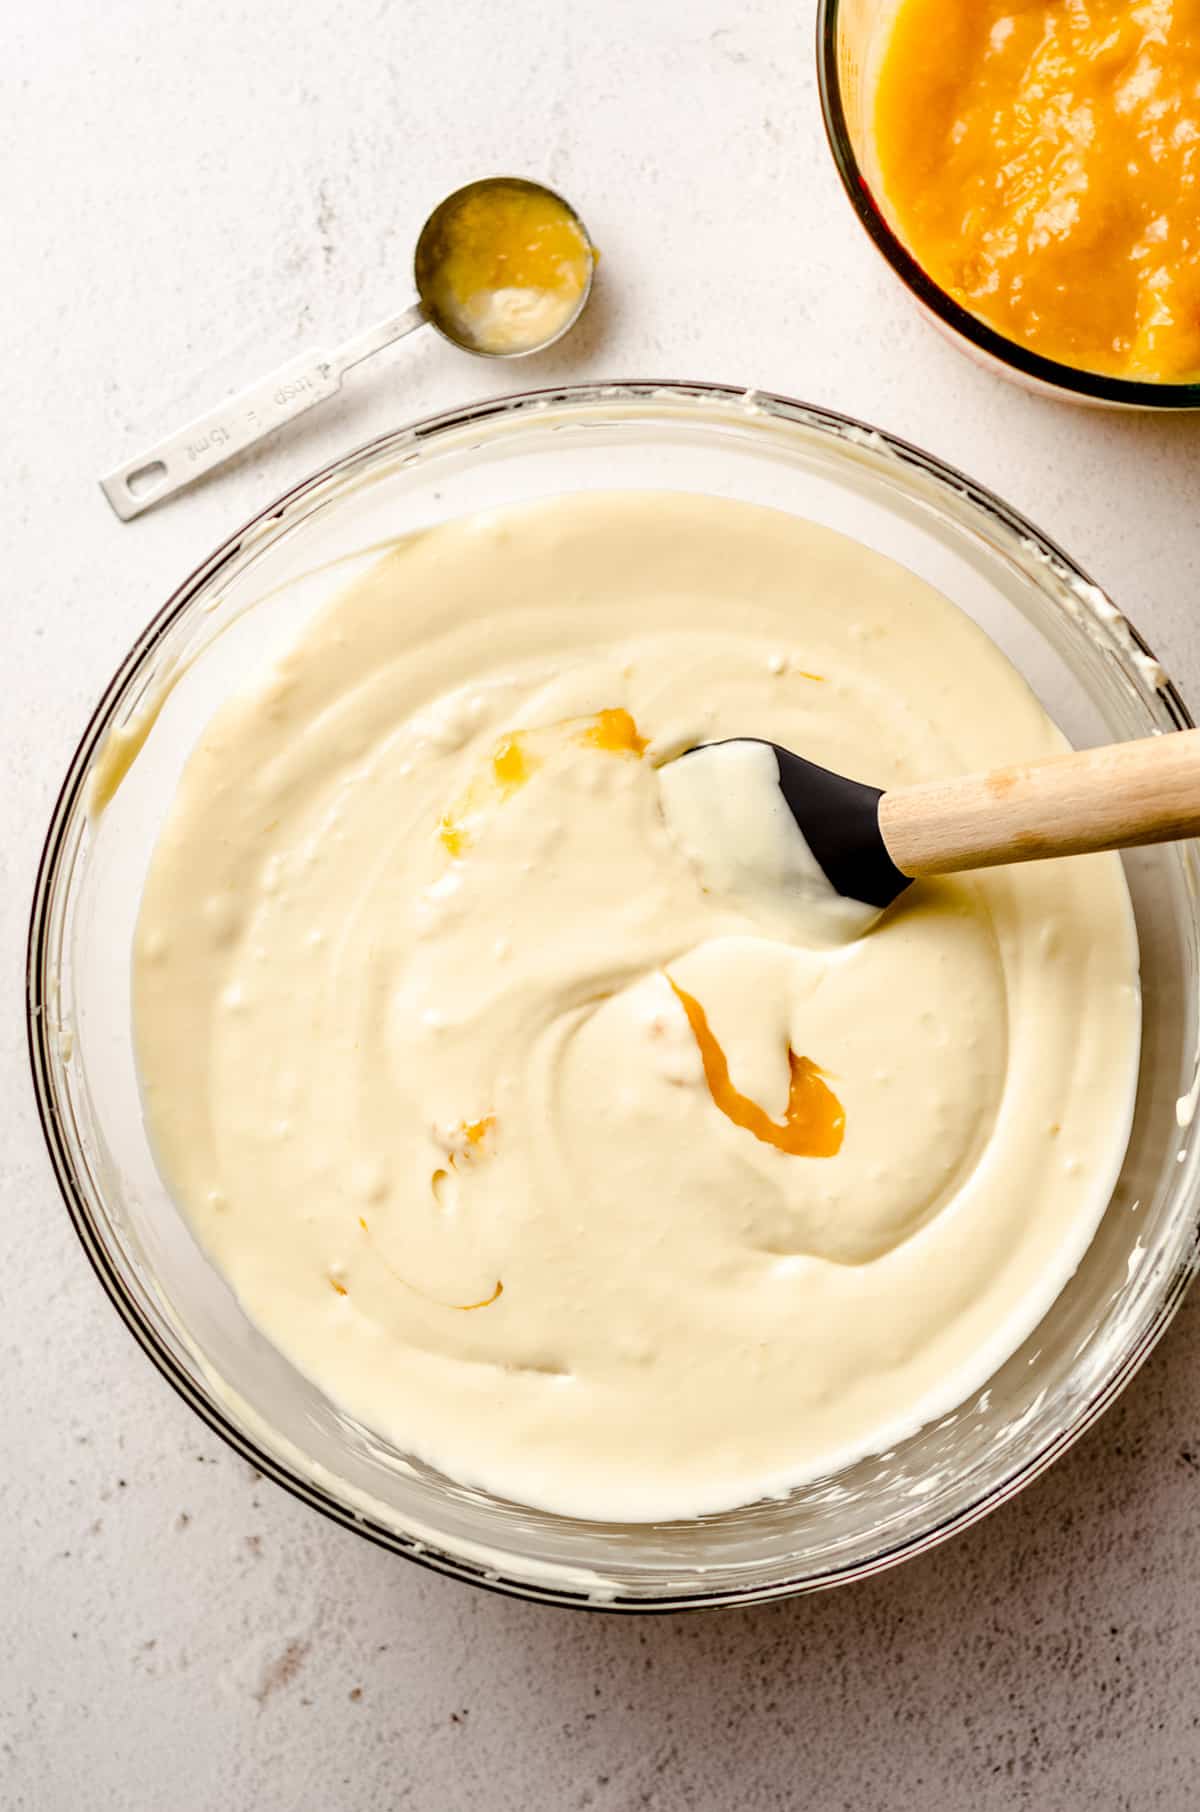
[515, 759]
[814, 1122]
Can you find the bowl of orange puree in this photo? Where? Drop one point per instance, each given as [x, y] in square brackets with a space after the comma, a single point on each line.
[1031, 171]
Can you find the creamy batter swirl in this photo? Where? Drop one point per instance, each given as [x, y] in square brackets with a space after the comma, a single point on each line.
[574, 1178]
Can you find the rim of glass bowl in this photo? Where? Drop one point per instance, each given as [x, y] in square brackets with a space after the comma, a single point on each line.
[640, 401]
[1095, 386]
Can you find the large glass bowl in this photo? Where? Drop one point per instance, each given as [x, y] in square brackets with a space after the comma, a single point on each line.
[1093, 672]
[850, 37]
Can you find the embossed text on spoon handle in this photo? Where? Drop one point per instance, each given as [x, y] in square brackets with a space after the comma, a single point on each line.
[208, 441]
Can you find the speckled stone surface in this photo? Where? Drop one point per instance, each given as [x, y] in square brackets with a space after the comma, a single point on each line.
[192, 193]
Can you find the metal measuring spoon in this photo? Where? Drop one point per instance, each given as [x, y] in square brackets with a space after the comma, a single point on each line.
[500, 322]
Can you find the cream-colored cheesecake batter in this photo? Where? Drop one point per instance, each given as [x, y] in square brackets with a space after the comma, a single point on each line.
[577, 1180]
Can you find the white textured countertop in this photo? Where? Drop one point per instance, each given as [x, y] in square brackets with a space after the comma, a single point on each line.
[191, 194]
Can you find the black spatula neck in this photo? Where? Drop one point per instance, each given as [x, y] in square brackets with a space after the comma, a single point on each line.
[839, 820]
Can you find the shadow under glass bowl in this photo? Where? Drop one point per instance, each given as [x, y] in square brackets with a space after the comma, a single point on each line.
[850, 37]
[1091, 670]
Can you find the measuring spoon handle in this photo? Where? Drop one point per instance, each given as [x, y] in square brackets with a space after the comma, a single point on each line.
[178, 460]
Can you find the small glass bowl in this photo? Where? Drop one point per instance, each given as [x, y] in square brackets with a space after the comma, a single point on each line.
[1094, 674]
[850, 35]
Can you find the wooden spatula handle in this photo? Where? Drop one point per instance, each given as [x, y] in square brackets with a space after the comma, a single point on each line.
[1110, 798]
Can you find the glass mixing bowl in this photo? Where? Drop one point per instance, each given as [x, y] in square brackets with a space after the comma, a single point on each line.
[1094, 674]
[850, 36]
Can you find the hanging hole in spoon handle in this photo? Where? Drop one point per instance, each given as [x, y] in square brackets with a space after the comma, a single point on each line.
[160, 471]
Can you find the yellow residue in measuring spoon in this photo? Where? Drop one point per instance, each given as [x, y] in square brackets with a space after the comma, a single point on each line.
[508, 267]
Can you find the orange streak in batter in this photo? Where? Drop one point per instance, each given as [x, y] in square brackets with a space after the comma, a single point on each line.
[485, 1304]
[614, 731]
[517, 758]
[815, 1121]
[512, 764]
[475, 1132]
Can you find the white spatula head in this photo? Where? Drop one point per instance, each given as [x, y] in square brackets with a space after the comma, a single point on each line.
[796, 846]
